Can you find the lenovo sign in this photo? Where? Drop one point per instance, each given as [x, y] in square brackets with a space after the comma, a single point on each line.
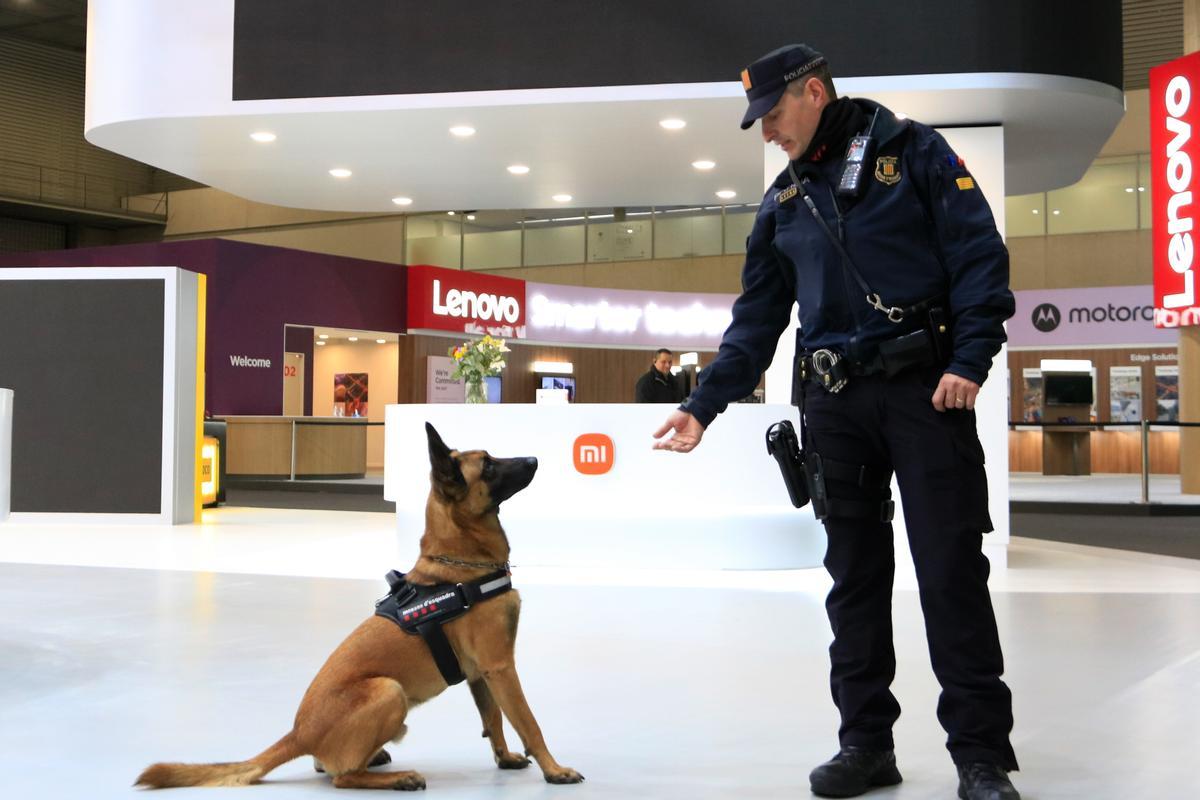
[1174, 159]
[465, 302]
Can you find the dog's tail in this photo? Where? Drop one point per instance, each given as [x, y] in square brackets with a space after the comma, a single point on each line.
[237, 773]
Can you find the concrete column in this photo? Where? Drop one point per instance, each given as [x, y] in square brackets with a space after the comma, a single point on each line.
[6, 415]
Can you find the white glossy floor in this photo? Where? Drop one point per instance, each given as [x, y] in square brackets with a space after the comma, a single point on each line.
[1100, 487]
[124, 645]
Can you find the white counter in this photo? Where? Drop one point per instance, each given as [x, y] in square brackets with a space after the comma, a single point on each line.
[721, 506]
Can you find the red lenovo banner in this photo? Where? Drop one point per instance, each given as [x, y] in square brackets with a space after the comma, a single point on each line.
[465, 302]
[1174, 164]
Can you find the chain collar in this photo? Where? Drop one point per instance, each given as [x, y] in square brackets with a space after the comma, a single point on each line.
[454, 562]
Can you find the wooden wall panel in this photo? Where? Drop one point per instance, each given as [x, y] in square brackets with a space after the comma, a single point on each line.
[1112, 451]
[602, 375]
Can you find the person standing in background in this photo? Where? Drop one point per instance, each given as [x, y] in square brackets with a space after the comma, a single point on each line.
[659, 385]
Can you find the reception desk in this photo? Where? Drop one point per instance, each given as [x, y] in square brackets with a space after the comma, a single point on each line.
[261, 447]
[721, 506]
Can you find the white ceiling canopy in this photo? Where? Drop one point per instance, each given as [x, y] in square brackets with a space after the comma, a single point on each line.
[159, 91]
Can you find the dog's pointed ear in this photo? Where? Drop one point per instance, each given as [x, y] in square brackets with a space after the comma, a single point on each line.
[446, 475]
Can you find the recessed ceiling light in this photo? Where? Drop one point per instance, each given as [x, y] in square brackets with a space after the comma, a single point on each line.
[263, 136]
[901, 115]
[673, 124]
[704, 164]
[471, 217]
[629, 230]
[462, 131]
[320, 344]
[1036, 211]
[1141, 188]
[727, 194]
[1057, 212]
[450, 213]
[381, 341]
[1129, 189]
[518, 169]
[339, 172]
[402, 201]
[323, 336]
[562, 198]
[353, 338]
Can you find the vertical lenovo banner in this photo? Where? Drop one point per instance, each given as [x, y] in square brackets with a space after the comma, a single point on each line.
[1174, 153]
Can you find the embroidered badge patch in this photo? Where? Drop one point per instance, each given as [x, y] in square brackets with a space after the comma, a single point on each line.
[887, 171]
[965, 183]
[786, 194]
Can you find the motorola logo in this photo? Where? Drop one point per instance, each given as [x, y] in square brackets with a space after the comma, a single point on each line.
[1046, 317]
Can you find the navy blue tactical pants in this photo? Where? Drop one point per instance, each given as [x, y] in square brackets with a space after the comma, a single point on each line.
[938, 463]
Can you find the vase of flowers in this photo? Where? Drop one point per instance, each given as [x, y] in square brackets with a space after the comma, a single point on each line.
[475, 360]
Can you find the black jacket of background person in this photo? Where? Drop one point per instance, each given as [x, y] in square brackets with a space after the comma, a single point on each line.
[654, 387]
[921, 228]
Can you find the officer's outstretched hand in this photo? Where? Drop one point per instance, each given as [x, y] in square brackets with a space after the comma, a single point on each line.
[955, 392]
[687, 433]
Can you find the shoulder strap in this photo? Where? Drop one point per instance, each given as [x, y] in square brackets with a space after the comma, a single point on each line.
[893, 313]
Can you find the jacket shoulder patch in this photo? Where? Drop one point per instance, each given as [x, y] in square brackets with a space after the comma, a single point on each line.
[786, 194]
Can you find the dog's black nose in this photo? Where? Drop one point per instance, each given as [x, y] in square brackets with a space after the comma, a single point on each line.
[530, 462]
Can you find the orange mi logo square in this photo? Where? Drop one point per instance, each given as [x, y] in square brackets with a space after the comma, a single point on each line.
[594, 454]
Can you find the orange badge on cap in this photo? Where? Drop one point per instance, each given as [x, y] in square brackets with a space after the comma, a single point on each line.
[746, 80]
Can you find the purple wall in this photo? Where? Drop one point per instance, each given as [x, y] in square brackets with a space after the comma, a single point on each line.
[253, 291]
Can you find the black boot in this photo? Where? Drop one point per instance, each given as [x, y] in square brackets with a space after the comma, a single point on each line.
[983, 781]
[853, 771]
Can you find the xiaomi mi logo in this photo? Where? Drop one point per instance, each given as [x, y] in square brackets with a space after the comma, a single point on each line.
[594, 454]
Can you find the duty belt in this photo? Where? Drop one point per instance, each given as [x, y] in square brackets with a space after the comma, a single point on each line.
[422, 610]
[831, 369]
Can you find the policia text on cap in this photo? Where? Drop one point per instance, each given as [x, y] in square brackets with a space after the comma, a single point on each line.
[879, 233]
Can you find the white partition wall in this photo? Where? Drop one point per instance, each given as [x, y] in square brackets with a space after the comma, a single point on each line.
[721, 506]
[108, 423]
[983, 151]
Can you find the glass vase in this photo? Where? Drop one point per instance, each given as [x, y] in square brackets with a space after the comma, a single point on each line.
[477, 391]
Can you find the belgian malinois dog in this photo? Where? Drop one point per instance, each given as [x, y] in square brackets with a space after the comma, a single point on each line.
[361, 696]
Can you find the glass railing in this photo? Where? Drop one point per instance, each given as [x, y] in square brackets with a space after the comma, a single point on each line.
[1113, 195]
[499, 239]
[62, 187]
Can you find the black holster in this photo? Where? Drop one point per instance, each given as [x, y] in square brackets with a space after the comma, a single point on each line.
[784, 447]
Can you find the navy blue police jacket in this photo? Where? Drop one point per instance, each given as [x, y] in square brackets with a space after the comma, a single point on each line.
[920, 229]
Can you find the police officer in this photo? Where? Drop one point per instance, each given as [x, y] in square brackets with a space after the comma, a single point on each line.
[883, 238]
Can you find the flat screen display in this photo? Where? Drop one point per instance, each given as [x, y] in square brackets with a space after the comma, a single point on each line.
[493, 387]
[560, 382]
[1068, 390]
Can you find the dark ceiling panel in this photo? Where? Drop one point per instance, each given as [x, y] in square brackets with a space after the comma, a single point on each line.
[315, 48]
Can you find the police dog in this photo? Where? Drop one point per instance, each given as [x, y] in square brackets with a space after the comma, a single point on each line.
[361, 696]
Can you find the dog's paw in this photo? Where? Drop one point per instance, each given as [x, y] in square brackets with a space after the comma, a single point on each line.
[511, 761]
[408, 782]
[564, 775]
[380, 758]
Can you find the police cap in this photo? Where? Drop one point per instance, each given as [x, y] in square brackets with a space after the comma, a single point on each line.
[766, 79]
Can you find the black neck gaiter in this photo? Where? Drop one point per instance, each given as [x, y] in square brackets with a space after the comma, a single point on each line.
[840, 120]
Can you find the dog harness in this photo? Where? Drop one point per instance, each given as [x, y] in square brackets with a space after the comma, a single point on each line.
[423, 610]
